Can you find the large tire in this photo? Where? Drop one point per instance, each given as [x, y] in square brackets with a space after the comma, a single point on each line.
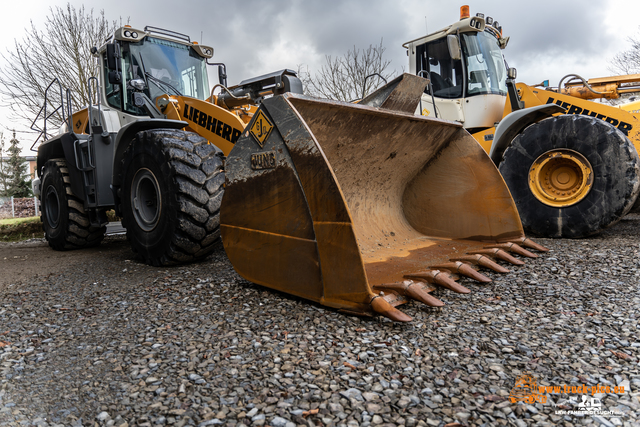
[171, 193]
[64, 220]
[608, 192]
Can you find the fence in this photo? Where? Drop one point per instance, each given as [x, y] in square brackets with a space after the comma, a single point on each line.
[19, 207]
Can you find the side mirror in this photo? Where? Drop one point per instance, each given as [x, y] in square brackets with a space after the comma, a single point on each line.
[454, 47]
[113, 63]
[115, 77]
[512, 73]
[113, 54]
[222, 75]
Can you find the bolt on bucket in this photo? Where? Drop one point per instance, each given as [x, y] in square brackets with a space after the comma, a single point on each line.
[363, 208]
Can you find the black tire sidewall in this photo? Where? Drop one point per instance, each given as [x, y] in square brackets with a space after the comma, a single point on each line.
[151, 245]
[52, 178]
[615, 169]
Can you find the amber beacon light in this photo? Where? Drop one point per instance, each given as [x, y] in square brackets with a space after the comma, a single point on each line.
[464, 12]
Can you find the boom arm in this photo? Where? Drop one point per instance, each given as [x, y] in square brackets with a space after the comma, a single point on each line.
[223, 119]
[602, 87]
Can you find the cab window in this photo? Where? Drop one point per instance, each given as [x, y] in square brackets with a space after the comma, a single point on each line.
[445, 73]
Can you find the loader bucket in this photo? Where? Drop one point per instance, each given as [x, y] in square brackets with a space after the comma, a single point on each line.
[362, 208]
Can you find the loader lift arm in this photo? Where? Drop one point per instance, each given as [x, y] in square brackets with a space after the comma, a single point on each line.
[602, 87]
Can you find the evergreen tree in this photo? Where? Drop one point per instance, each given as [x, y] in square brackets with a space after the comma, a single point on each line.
[18, 181]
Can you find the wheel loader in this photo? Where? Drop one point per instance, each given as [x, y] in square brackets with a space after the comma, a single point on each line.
[360, 207]
[571, 164]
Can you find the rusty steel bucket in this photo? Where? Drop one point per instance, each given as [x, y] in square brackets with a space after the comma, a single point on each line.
[361, 208]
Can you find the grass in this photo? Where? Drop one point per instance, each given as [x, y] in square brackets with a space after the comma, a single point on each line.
[16, 221]
[17, 229]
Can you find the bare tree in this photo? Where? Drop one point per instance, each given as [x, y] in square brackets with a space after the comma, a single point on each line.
[60, 50]
[351, 76]
[627, 62]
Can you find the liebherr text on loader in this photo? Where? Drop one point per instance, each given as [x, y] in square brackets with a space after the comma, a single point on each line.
[358, 207]
[571, 164]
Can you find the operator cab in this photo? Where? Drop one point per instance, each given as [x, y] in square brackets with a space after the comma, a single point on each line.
[154, 62]
[467, 71]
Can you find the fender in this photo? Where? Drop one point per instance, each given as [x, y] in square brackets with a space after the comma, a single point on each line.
[514, 123]
[123, 140]
[61, 147]
[128, 132]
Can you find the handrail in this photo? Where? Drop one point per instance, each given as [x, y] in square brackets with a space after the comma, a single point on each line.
[69, 111]
[98, 104]
[167, 33]
[66, 115]
[433, 99]
[364, 84]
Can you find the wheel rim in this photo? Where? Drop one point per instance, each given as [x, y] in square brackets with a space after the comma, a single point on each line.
[52, 206]
[561, 178]
[146, 199]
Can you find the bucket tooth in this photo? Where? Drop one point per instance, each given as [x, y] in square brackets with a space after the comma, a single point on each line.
[449, 273]
[528, 243]
[513, 247]
[418, 293]
[382, 306]
[414, 290]
[465, 270]
[438, 278]
[500, 254]
[483, 261]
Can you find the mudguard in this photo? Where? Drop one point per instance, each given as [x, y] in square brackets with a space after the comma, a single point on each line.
[514, 123]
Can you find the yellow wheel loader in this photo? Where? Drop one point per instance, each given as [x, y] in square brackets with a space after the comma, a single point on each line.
[360, 207]
[571, 164]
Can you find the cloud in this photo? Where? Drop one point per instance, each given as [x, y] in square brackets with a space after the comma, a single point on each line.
[549, 38]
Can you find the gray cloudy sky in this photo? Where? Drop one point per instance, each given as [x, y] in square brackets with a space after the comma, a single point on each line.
[549, 38]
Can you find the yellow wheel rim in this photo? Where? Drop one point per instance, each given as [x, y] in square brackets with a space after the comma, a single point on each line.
[560, 178]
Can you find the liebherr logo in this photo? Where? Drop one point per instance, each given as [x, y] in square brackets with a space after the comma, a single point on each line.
[211, 124]
[574, 109]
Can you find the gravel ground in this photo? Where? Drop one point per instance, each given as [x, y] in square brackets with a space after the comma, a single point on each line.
[96, 338]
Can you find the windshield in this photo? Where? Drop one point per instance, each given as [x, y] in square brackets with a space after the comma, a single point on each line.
[486, 70]
[166, 67]
[171, 66]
